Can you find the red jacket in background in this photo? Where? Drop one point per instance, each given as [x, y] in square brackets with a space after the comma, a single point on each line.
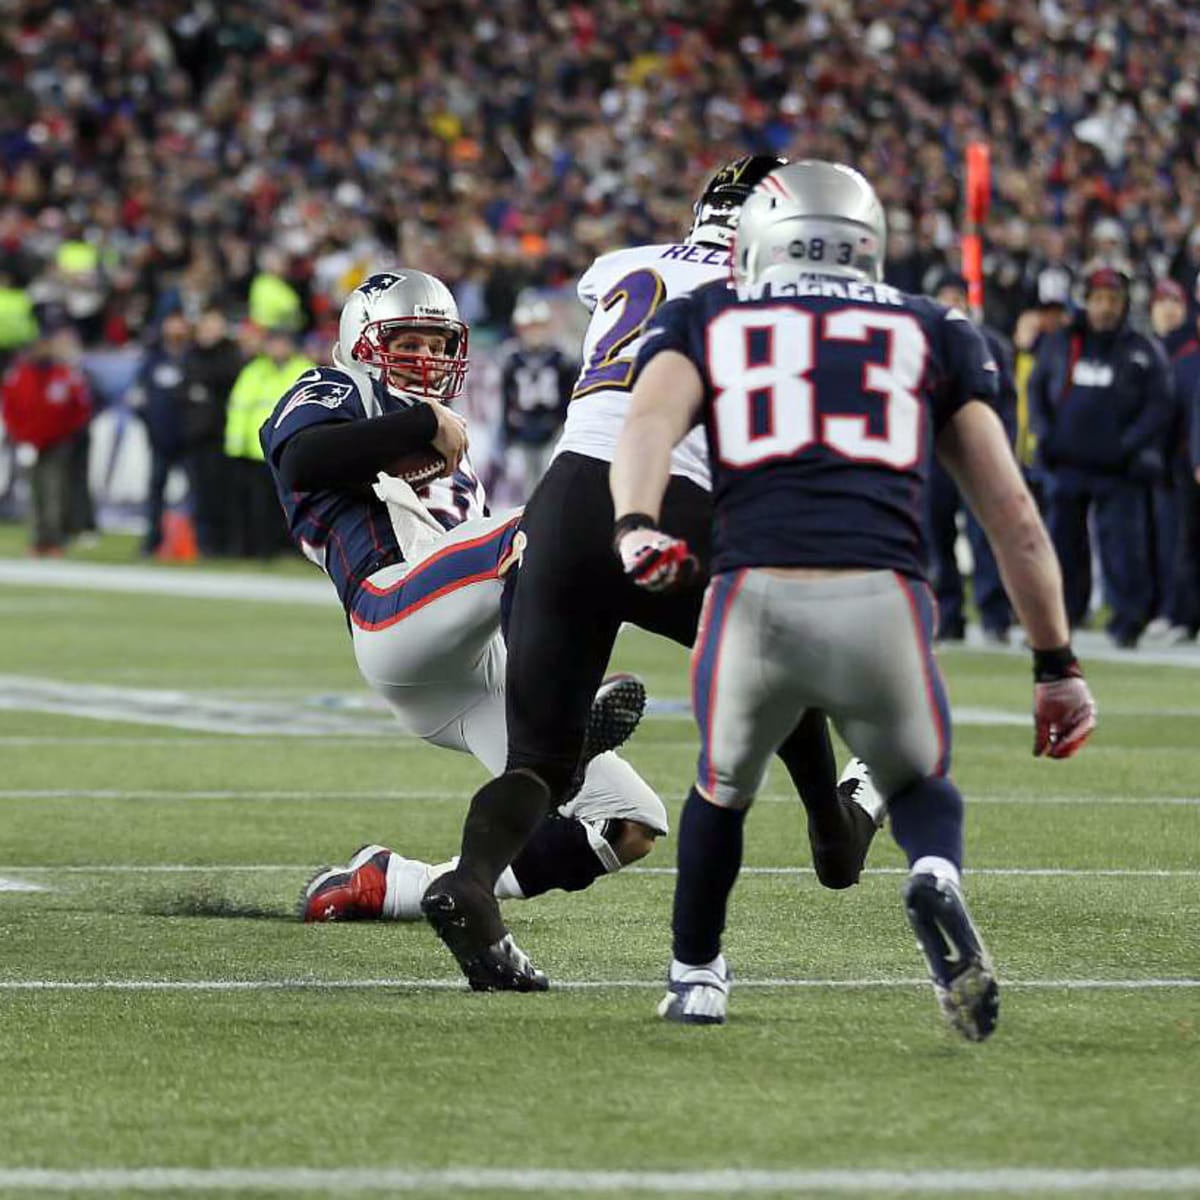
[43, 403]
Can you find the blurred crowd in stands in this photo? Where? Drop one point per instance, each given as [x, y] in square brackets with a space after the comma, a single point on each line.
[173, 164]
[177, 154]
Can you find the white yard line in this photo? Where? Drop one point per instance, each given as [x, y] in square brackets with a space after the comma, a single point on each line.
[222, 794]
[157, 581]
[1068, 872]
[721, 1182]
[465, 794]
[394, 738]
[19, 885]
[290, 868]
[567, 985]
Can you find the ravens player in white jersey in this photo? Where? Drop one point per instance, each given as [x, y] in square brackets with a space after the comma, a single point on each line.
[420, 575]
[572, 596]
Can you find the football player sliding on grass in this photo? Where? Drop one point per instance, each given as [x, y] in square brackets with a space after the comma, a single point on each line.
[419, 566]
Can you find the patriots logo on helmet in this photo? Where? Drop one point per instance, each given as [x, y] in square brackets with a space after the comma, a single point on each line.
[379, 283]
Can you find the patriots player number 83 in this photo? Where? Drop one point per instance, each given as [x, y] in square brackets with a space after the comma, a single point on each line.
[760, 362]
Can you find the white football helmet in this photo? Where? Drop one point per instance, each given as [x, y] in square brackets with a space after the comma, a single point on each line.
[393, 302]
[810, 216]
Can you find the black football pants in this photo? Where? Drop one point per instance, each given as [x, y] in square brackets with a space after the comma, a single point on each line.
[567, 603]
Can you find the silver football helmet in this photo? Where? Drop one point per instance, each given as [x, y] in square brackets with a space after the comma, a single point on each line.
[389, 304]
[810, 216]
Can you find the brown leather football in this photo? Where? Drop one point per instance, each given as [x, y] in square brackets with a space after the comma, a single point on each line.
[419, 467]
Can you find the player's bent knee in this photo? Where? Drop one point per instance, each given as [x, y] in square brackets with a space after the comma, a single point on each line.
[614, 791]
[726, 794]
[630, 840]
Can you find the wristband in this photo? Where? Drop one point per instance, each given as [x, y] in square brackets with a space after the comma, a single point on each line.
[629, 522]
[1049, 665]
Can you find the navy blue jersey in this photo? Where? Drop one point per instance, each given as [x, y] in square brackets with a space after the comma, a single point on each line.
[347, 531]
[535, 385]
[822, 398]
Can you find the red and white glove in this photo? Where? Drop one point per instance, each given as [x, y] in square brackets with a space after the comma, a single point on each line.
[1064, 713]
[652, 559]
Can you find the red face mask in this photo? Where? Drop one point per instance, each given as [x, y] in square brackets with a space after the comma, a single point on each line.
[436, 376]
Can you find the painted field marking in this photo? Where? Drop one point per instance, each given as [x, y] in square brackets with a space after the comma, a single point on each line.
[722, 1182]
[293, 868]
[394, 738]
[302, 984]
[178, 709]
[464, 795]
[19, 885]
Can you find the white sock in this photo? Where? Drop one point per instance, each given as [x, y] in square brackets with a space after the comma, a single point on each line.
[940, 868]
[407, 879]
[507, 887]
[717, 966]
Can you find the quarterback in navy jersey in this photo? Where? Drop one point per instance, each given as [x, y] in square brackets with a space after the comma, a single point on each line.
[347, 531]
[822, 392]
[420, 569]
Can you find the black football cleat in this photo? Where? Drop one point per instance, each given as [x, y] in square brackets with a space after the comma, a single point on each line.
[840, 840]
[960, 968]
[467, 919]
[617, 710]
[504, 967]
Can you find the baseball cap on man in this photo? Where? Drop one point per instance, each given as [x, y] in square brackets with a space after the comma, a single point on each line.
[1105, 277]
[1054, 287]
[1168, 289]
[950, 279]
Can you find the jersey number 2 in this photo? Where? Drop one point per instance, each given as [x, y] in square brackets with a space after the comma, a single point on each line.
[767, 410]
[638, 294]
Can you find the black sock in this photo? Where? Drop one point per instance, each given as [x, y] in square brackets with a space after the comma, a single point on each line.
[808, 756]
[927, 818]
[557, 855]
[503, 813]
[709, 855]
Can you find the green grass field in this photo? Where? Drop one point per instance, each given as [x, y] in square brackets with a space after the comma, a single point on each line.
[160, 1008]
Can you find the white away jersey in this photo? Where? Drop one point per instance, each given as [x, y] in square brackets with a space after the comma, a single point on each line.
[624, 289]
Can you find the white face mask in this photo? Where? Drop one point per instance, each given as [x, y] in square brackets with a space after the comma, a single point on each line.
[714, 225]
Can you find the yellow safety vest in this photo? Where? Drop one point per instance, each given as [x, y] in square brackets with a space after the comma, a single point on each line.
[1026, 438]
[274, 303]
[255, 393]
[77, 258]
[18, 325]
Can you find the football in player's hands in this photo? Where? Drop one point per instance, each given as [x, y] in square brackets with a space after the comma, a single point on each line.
[418, 467]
